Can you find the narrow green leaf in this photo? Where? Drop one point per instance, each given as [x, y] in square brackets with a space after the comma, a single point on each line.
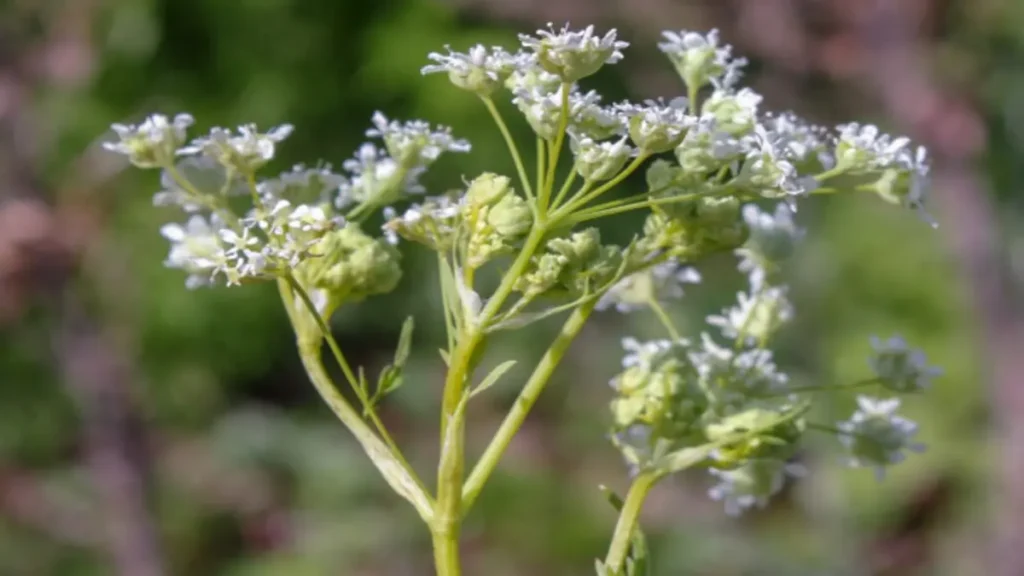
[492, 378]
[404, 343]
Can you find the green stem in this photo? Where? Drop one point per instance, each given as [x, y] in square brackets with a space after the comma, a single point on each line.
[511, 143]
[201, 198]
[664, 318]
[521, 408]
[541, 144]
[544, 194]
[446, 554]
[692, 92]
[250, 180]
[583, 199]
[565, 188]
[629, 517]
[618, 206]
[824, 387]
[396, 475]
[368, 408]
[448, 515]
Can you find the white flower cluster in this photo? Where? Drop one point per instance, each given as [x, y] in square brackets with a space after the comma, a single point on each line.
[661, 282]
[700, 59]
[291, 214]
[899, 367]
[726, 135]
[876, 436]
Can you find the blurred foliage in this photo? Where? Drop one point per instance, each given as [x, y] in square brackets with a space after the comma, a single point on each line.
[254, 477]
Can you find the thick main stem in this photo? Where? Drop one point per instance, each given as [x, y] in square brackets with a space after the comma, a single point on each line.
[448, 513]
[446, 553]
[629, 517]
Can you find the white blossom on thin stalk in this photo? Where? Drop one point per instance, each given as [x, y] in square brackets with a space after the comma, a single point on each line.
[154, 142]
[573, 55]
[642, 354]
[876, 436]
[243, 151]
[773, 237]
[597, 161]
[756, 317]
[415, 143]
[700, 59]
[662, 282]
[752, 484]
[481, 70]
[195, 248]
[657, 126]
[900, 367]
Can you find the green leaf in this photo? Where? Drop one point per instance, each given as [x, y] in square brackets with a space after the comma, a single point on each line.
[492, 378]
[391, 377]
[404, 343]
[445, 356]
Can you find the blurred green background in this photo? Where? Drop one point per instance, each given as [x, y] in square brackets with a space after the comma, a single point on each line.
[116, 382]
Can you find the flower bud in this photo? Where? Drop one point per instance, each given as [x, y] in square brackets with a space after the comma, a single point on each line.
[486, 189]
[511, 216]
[597, 161]
[350, 266]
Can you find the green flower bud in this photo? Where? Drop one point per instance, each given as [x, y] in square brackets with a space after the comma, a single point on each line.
[511, 216]
[349, 265]
[579, 248]
[487, 189]
[542, 277]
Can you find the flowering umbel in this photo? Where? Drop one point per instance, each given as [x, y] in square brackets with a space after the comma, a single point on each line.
[722, 176]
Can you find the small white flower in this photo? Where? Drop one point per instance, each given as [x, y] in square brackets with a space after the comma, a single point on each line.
[736, 377]
[302, 185]
[586, 117]
[755, 318]
[700, 59]
[480, 70]
[657, 126]
[643, 354]
[768, 169]
[773, 237]
[751, 485]
[662, 282]
[597, 161]
[733, 112]
[415, 143]
[573, 55]
[154, 142]
[900, 367]
[244, 151]
[195, 248]
[432, 222]
[800, 141]
[375, 176]
[876, 436]
[864, 147]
